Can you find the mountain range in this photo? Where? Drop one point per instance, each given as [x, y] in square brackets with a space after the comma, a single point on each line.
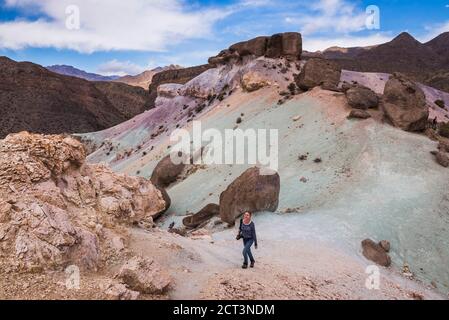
[425, 62]
[35, 99]
[74, 72]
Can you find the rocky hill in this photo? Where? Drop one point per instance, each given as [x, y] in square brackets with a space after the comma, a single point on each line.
[35, 99]
[425, 62]
[74, 72]
[354, 162]
[361, 178]
[145, 78]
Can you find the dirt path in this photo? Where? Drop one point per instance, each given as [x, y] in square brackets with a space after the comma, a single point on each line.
[209, 268]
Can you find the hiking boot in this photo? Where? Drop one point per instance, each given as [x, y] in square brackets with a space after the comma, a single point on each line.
[245, 266]
[252, 264]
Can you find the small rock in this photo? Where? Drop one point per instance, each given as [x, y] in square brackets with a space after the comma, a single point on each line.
[359, 114]
[442, 159]
[385, 245]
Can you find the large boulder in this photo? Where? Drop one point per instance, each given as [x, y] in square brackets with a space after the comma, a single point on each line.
[145, 276]
[166, 172]
[376, 252]
[359, 114]
[253, 191]
[405, 104]
[319, 72]
[361, 97]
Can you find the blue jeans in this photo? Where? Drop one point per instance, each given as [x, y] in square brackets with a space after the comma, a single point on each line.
[247, 243]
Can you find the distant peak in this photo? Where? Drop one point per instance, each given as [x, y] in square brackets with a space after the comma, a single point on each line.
[405, 37]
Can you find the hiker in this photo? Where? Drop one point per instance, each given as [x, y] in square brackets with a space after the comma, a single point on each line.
[247, 232]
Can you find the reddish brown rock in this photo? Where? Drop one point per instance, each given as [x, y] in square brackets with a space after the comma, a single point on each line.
[376, 253]
[319, 72]
[405, 104]
[442, 159]
[252, 191]
[166, 172]
[361, 97]
[359, 114]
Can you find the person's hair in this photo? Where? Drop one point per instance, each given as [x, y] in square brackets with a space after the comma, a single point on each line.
[250, 213]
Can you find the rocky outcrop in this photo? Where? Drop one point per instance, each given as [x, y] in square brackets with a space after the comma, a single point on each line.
[178, 76]
[442, 159]
[319, 72]
[253, 191]
[144, 276]
[282, 45]
[57, 210]
[376, 252]
[405, 104]
[361, 97]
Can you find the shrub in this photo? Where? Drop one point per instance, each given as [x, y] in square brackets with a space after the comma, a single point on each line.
[444, 130]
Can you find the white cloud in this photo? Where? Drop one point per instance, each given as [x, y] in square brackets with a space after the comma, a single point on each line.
[434, 31]
[319, 44]
[147, 25]
[338, 16]
[120, 68]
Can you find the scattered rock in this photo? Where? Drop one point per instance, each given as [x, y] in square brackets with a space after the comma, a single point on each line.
[144, 276]
[359, 114]
[376, 253]
[442, 159]
[253, 81]
[255, 190]
[361, 97]
[405, 104]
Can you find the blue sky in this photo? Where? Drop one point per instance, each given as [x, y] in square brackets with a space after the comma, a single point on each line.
[127, 37]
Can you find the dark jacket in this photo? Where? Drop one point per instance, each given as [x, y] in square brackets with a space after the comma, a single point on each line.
[248, 231]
